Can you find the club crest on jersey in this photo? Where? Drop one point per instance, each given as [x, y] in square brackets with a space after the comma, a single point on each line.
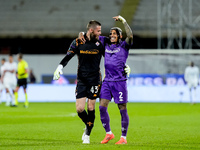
[97, 43]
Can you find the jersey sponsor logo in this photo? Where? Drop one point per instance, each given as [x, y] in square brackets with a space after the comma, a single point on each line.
[116, 50]
[93, 51]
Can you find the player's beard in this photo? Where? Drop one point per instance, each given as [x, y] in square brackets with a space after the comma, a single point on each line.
[93, 36]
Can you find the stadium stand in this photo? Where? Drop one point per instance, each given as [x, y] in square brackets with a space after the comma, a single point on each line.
[127, 11]
[47, 20]
[38, 18]
[66, 18]
[145, 18]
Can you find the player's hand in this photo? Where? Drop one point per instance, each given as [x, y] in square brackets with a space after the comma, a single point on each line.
[81, 37]
[58, 72]
[119, 18]
[127, 70]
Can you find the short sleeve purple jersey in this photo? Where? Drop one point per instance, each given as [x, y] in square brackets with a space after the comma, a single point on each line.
[115, 60]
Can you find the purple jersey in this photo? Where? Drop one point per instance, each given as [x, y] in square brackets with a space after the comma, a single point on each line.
[115, 60]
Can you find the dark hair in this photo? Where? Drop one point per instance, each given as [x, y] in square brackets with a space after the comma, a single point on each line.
[192, 63]
[20, 55]
[3, 59]
[93, 24]
[118, 30]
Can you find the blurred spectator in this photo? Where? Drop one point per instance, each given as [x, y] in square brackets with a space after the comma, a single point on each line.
[32, 76]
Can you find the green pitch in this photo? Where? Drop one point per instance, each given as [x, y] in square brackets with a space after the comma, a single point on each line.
[56, 126]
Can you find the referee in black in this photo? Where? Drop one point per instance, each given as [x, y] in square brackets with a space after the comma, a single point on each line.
[88, 74]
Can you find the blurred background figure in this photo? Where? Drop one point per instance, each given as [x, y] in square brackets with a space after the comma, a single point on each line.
[32, 78]
[3, 60]
[9, 79]
[1, 89]
[192, 78]
[22, 75]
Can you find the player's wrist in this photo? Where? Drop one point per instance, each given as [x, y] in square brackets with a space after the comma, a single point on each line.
[122, 19]
[60, 67]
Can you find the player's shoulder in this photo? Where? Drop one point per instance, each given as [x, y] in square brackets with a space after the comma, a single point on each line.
[187, 69]
[196, 68]
[78, 42]
[6, 63]
[14, 63]
[24, 62]
[103, 37]
[124, 44]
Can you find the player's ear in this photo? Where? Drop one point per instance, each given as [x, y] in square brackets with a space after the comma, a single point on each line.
[91, 30]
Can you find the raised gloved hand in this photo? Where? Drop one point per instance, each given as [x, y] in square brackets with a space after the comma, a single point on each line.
[119, 18]
[127, 70]
[58, 72]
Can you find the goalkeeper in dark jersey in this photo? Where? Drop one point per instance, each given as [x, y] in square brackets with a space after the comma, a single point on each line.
[88, 74]
[114, 84]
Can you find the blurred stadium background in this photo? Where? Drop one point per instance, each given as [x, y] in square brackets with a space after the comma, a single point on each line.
[166, 38]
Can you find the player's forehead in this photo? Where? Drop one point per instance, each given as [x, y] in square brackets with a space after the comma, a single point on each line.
[97, 28]
[113, 31]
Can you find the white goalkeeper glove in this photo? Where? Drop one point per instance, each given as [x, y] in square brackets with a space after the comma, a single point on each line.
[120, 18]
[127, 70]
[58, 72]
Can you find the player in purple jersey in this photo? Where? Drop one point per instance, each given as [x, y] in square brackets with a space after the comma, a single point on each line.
[114, 84]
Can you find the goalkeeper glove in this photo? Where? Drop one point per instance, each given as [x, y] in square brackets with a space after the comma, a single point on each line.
[120, 18]
[127, 70]
[58, 72]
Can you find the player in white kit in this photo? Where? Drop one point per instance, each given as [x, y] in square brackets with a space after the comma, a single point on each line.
[1, 89]
[192, 78]
[3, 60]
[9, 79]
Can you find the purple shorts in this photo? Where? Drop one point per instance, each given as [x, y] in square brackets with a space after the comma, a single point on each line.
[117, 90]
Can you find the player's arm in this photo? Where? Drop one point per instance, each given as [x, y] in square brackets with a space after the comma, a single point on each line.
[70, 53]
[197, 75]
[129, 33]
[103, 39]
[186, 75]
[2, 73]
[2, 76]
